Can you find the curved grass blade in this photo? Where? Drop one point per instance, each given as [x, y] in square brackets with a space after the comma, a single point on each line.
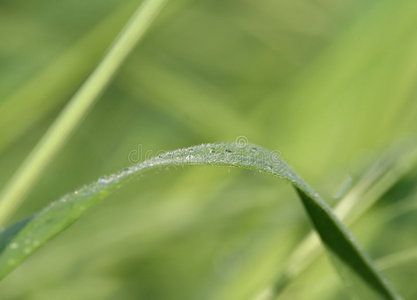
[25, 237]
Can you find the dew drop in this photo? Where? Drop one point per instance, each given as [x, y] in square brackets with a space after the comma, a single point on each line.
[86, 193]
[104, 180]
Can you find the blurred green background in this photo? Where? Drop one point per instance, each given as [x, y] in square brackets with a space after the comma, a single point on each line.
[329, 84]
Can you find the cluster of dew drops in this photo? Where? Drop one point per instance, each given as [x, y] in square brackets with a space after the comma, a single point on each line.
[28, 246]
[251, 156]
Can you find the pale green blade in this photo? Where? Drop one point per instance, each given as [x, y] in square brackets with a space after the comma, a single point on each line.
[20, 240]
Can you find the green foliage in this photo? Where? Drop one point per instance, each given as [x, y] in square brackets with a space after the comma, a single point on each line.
[329, 83]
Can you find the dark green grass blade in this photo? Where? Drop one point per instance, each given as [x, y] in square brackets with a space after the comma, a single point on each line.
[342, 243]
[22, 239]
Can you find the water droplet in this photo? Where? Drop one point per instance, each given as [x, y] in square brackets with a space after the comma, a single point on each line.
[14, 245]
[27, 250]
[86, 193]
[104, 180]
[11, 262]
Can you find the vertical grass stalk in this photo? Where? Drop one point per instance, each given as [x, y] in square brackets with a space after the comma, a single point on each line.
[77, 108]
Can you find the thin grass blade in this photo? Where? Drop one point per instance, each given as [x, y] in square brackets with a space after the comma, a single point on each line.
[24, 238]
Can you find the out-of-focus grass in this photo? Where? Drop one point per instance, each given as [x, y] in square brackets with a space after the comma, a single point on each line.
[335, 78]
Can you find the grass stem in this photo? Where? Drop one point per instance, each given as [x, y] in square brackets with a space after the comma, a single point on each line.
[76, 110]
